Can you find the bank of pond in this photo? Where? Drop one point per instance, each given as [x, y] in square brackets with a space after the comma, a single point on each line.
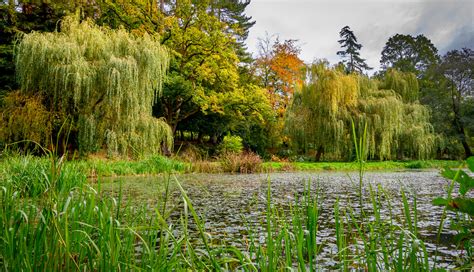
[58, 215]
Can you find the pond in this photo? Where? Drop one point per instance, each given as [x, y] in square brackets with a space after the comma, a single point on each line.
[230, 204]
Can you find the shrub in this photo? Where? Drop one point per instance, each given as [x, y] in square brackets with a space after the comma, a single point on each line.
[244, 163]
[25, 118]
[287, 167]
[416, 165]
[192, 153]
[231, 144]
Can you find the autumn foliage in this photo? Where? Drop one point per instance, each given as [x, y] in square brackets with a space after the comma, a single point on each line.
[282, 70]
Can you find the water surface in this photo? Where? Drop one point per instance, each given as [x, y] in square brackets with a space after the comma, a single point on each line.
[230, 204]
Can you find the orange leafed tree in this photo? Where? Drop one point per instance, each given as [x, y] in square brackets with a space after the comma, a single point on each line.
[288, 68]
[280, 70]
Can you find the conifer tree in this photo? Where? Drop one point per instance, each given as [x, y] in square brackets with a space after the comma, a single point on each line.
[351, 54]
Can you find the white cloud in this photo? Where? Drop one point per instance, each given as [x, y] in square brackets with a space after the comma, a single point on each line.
[316, 24]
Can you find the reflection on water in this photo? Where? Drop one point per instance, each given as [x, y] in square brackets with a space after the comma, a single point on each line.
[230, 204]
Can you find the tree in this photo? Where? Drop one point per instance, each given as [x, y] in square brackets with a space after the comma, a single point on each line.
[137, 16]
[232, 13]
[18, 17]
[203, 68]
[245, 112]
[288, 68]
[457, 66]
[409, 54]
[278, 70]
[351, 54]
[206, 43]
[320, 116]
[105, 81]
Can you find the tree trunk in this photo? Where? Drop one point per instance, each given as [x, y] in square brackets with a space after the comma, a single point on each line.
[400, 151]
[456, 97]
[467, 149]
[319, 153]
[199, 137]
[162, 6]
[462, 134]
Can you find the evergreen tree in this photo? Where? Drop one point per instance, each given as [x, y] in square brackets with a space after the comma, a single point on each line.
[350, 54]
[232, 12]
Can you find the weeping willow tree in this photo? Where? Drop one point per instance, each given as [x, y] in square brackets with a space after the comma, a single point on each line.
[320, 116]
[105, 80]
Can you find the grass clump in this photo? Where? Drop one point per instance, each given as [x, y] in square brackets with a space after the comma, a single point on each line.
[32, 176]
[85, 230]
[244, 163]
[150, 165]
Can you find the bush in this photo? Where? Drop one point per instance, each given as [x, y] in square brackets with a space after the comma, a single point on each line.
[231, 144]
[416, 165]
[244, 163]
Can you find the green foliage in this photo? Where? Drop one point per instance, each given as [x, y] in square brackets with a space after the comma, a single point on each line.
[470, 163]
[404, 84]
[463, 205]
[320, 115]
[32, 177]
[409, 54]
[435, 94]
[23, 17]
[465, 181]
[202, 56]
[106, 80]
[351, 166]
[150, 165]
[457, 68]
[25, 117]
[231, 144]
[416, 165]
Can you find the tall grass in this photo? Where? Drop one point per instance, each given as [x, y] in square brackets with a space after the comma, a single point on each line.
[244, 163]
[32, 176]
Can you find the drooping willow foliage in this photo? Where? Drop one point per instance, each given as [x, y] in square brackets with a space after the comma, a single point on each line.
[321, 113]
[105, 80]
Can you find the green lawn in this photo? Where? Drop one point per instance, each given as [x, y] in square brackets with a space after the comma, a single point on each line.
[352, 166]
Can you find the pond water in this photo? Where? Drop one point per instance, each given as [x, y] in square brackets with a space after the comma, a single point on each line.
[229, 204]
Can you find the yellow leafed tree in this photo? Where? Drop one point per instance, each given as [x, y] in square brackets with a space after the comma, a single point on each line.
[321, 113]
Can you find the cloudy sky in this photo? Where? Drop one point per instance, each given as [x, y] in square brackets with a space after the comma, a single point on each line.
[316, 24]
